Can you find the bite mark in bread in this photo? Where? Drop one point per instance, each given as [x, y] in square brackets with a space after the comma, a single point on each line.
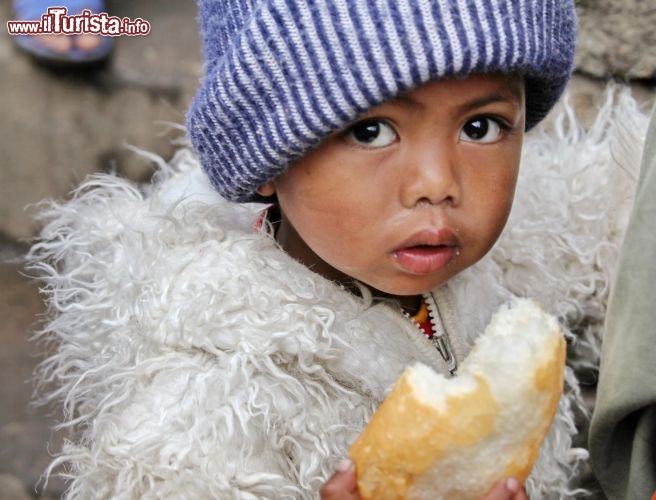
[435, 437]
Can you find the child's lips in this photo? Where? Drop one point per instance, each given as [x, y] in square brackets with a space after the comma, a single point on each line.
[427, 251]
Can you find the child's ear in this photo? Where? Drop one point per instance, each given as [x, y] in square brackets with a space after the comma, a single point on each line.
[266, 190]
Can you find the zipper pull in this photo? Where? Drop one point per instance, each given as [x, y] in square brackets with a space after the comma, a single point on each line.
[440, 336]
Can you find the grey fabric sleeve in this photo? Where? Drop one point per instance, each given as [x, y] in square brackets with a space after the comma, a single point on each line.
[623, 429]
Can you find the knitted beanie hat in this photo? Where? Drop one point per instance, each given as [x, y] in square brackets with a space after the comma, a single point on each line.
[281, 75]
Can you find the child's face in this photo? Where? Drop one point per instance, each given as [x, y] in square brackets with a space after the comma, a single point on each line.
[412, 193]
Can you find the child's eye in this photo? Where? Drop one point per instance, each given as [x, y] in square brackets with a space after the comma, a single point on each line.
[371, 134]
[482, 129]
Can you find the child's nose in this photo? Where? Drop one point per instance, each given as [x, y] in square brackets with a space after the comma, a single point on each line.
[431, 176]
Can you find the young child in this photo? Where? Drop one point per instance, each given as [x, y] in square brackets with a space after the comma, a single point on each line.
[216, 349]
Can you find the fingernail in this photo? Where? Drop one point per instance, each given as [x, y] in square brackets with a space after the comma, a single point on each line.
[345, 465]
[512, 485]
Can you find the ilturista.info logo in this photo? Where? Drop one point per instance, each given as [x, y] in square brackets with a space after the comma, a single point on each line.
[57, 22]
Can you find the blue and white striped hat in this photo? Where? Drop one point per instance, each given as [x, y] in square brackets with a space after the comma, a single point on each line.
[281, 75]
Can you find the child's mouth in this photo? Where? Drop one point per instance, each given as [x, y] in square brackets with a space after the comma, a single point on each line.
[424, 259]
[426, 251]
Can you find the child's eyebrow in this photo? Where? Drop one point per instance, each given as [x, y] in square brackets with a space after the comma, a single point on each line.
[508, 93]
[511, 97]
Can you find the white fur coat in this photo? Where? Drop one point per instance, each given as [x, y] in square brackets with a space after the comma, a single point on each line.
[195, 359]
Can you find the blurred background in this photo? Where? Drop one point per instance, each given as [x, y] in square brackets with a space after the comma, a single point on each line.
[56, 127]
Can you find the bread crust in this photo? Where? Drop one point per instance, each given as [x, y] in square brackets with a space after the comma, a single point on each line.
[484, 424]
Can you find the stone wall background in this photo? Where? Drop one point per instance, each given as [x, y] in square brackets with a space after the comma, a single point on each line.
[617, 38]
[56, 128]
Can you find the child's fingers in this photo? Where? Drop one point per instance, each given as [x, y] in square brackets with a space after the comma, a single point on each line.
[506, 489]
[342, 485]
[520, 494]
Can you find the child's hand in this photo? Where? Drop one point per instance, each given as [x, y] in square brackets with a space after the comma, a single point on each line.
[506, 489]
[343, 486]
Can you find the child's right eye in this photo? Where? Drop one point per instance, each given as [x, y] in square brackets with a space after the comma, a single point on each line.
[371, 134]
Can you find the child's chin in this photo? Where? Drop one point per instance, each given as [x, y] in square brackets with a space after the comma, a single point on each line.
[408, 288]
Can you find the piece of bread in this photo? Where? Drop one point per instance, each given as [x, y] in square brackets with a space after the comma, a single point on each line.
[453, 438]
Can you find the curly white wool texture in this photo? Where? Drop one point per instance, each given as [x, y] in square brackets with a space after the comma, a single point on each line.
[572, 204]
[196, 360]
